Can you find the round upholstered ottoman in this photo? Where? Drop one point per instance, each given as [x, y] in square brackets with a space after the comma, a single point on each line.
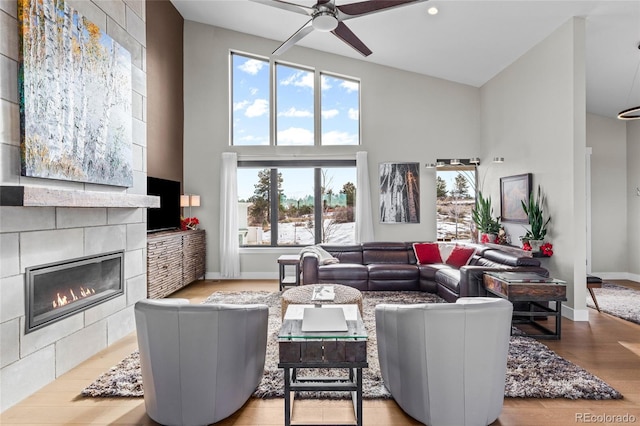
[301, 295]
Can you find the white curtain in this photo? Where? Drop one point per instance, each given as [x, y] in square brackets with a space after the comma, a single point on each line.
[229, 244]
[364, 213]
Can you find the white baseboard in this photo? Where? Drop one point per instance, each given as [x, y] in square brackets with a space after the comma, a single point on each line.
[575, 314]
[617, 276]
[244, 276]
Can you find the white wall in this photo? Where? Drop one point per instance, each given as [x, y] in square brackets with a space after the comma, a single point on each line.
[633, 191]
[608, 139]
[405, 117]
[533, 114]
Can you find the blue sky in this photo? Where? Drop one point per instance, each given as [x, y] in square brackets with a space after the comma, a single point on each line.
[295, 117]
[295, 109]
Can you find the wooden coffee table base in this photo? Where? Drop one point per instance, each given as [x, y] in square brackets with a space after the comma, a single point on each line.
[320, 353]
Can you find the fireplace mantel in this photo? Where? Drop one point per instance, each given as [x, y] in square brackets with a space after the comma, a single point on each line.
[36, 196]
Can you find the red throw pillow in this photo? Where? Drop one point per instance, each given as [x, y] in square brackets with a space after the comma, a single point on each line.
[460, 256]
[427, 253]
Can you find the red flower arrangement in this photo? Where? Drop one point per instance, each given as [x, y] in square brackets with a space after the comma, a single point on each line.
[189, 223]
[484, 239]
[546, 249]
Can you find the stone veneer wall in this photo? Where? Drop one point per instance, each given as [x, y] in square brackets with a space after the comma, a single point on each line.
[37, 235]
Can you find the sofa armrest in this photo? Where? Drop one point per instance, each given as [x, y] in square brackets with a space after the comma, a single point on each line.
[310, 264]
[471, 280]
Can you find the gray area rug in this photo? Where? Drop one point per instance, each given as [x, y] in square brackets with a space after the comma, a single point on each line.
[533, 370]
[619, 301]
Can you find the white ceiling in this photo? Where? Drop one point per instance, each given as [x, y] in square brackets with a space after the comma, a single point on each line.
[467, 41]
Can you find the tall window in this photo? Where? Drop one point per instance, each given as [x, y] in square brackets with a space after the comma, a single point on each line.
[250, 101]
[310, 107]
[294, 106]
[340, 111]
[290, 204]
[456, 196]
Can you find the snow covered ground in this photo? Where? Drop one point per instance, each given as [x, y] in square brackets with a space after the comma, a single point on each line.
[344, 233]
[288, 233]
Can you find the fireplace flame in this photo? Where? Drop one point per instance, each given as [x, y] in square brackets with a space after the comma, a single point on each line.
[65, 299]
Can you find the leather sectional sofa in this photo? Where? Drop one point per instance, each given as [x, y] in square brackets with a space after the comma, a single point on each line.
[384, 266]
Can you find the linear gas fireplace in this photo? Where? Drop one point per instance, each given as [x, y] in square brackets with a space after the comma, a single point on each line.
[58, 290]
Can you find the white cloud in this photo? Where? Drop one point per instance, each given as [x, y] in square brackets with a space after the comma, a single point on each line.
[251, 140]
[253, 91]
[330, 113]
[295, 136]
[339, 138]
[240, 105]
[350, 86]
[258, 108]
[293, 112]
[353, 113]
[252, 66]
[299, 79]
[324, 83]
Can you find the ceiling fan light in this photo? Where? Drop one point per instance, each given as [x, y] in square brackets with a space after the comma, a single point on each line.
[630, 114]
[325, 21]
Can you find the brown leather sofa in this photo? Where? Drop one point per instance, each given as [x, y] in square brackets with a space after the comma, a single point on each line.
[385, 266]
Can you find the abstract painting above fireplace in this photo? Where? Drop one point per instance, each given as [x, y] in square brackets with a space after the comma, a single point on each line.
[58, 290]
[75, 97]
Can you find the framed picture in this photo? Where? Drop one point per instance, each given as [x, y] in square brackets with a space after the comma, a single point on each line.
[514, 190]
[75, 97]
[399, 192]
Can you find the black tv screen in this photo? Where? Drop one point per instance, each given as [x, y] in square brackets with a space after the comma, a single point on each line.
[168, 215]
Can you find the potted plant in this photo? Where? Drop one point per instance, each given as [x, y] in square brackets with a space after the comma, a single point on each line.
[534, 209]
[482, 216]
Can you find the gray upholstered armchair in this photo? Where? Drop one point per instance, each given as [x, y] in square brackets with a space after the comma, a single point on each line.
[200, 363]
[445, 363]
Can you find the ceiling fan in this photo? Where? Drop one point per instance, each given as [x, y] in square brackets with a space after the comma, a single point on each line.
[327, 16]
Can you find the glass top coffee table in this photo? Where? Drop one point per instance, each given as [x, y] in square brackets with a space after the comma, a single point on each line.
[535, 291]
[322, 349]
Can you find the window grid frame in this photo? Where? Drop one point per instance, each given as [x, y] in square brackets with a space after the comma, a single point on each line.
[273, 107]
[274, 165]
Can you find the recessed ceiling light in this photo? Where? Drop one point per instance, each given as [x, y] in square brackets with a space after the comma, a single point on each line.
[432, 10]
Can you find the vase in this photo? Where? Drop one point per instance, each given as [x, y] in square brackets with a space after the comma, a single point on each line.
[535, 245]
[488, 238]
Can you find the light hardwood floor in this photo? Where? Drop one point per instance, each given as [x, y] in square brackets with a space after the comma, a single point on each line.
[606, 346]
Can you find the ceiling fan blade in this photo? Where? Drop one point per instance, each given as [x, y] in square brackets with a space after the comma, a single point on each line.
[345, 34]
[354, 10]
[291, 7]
[296, 37]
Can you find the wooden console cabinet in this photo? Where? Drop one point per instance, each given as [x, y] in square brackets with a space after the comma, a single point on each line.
[174, 259]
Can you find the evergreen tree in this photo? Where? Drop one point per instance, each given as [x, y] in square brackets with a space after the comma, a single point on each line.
[259, 211]
[349, 189]
[441, 187]
[460, 187]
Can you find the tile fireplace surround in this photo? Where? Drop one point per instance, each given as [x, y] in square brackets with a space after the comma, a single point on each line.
[59, 231]
[32, 236]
